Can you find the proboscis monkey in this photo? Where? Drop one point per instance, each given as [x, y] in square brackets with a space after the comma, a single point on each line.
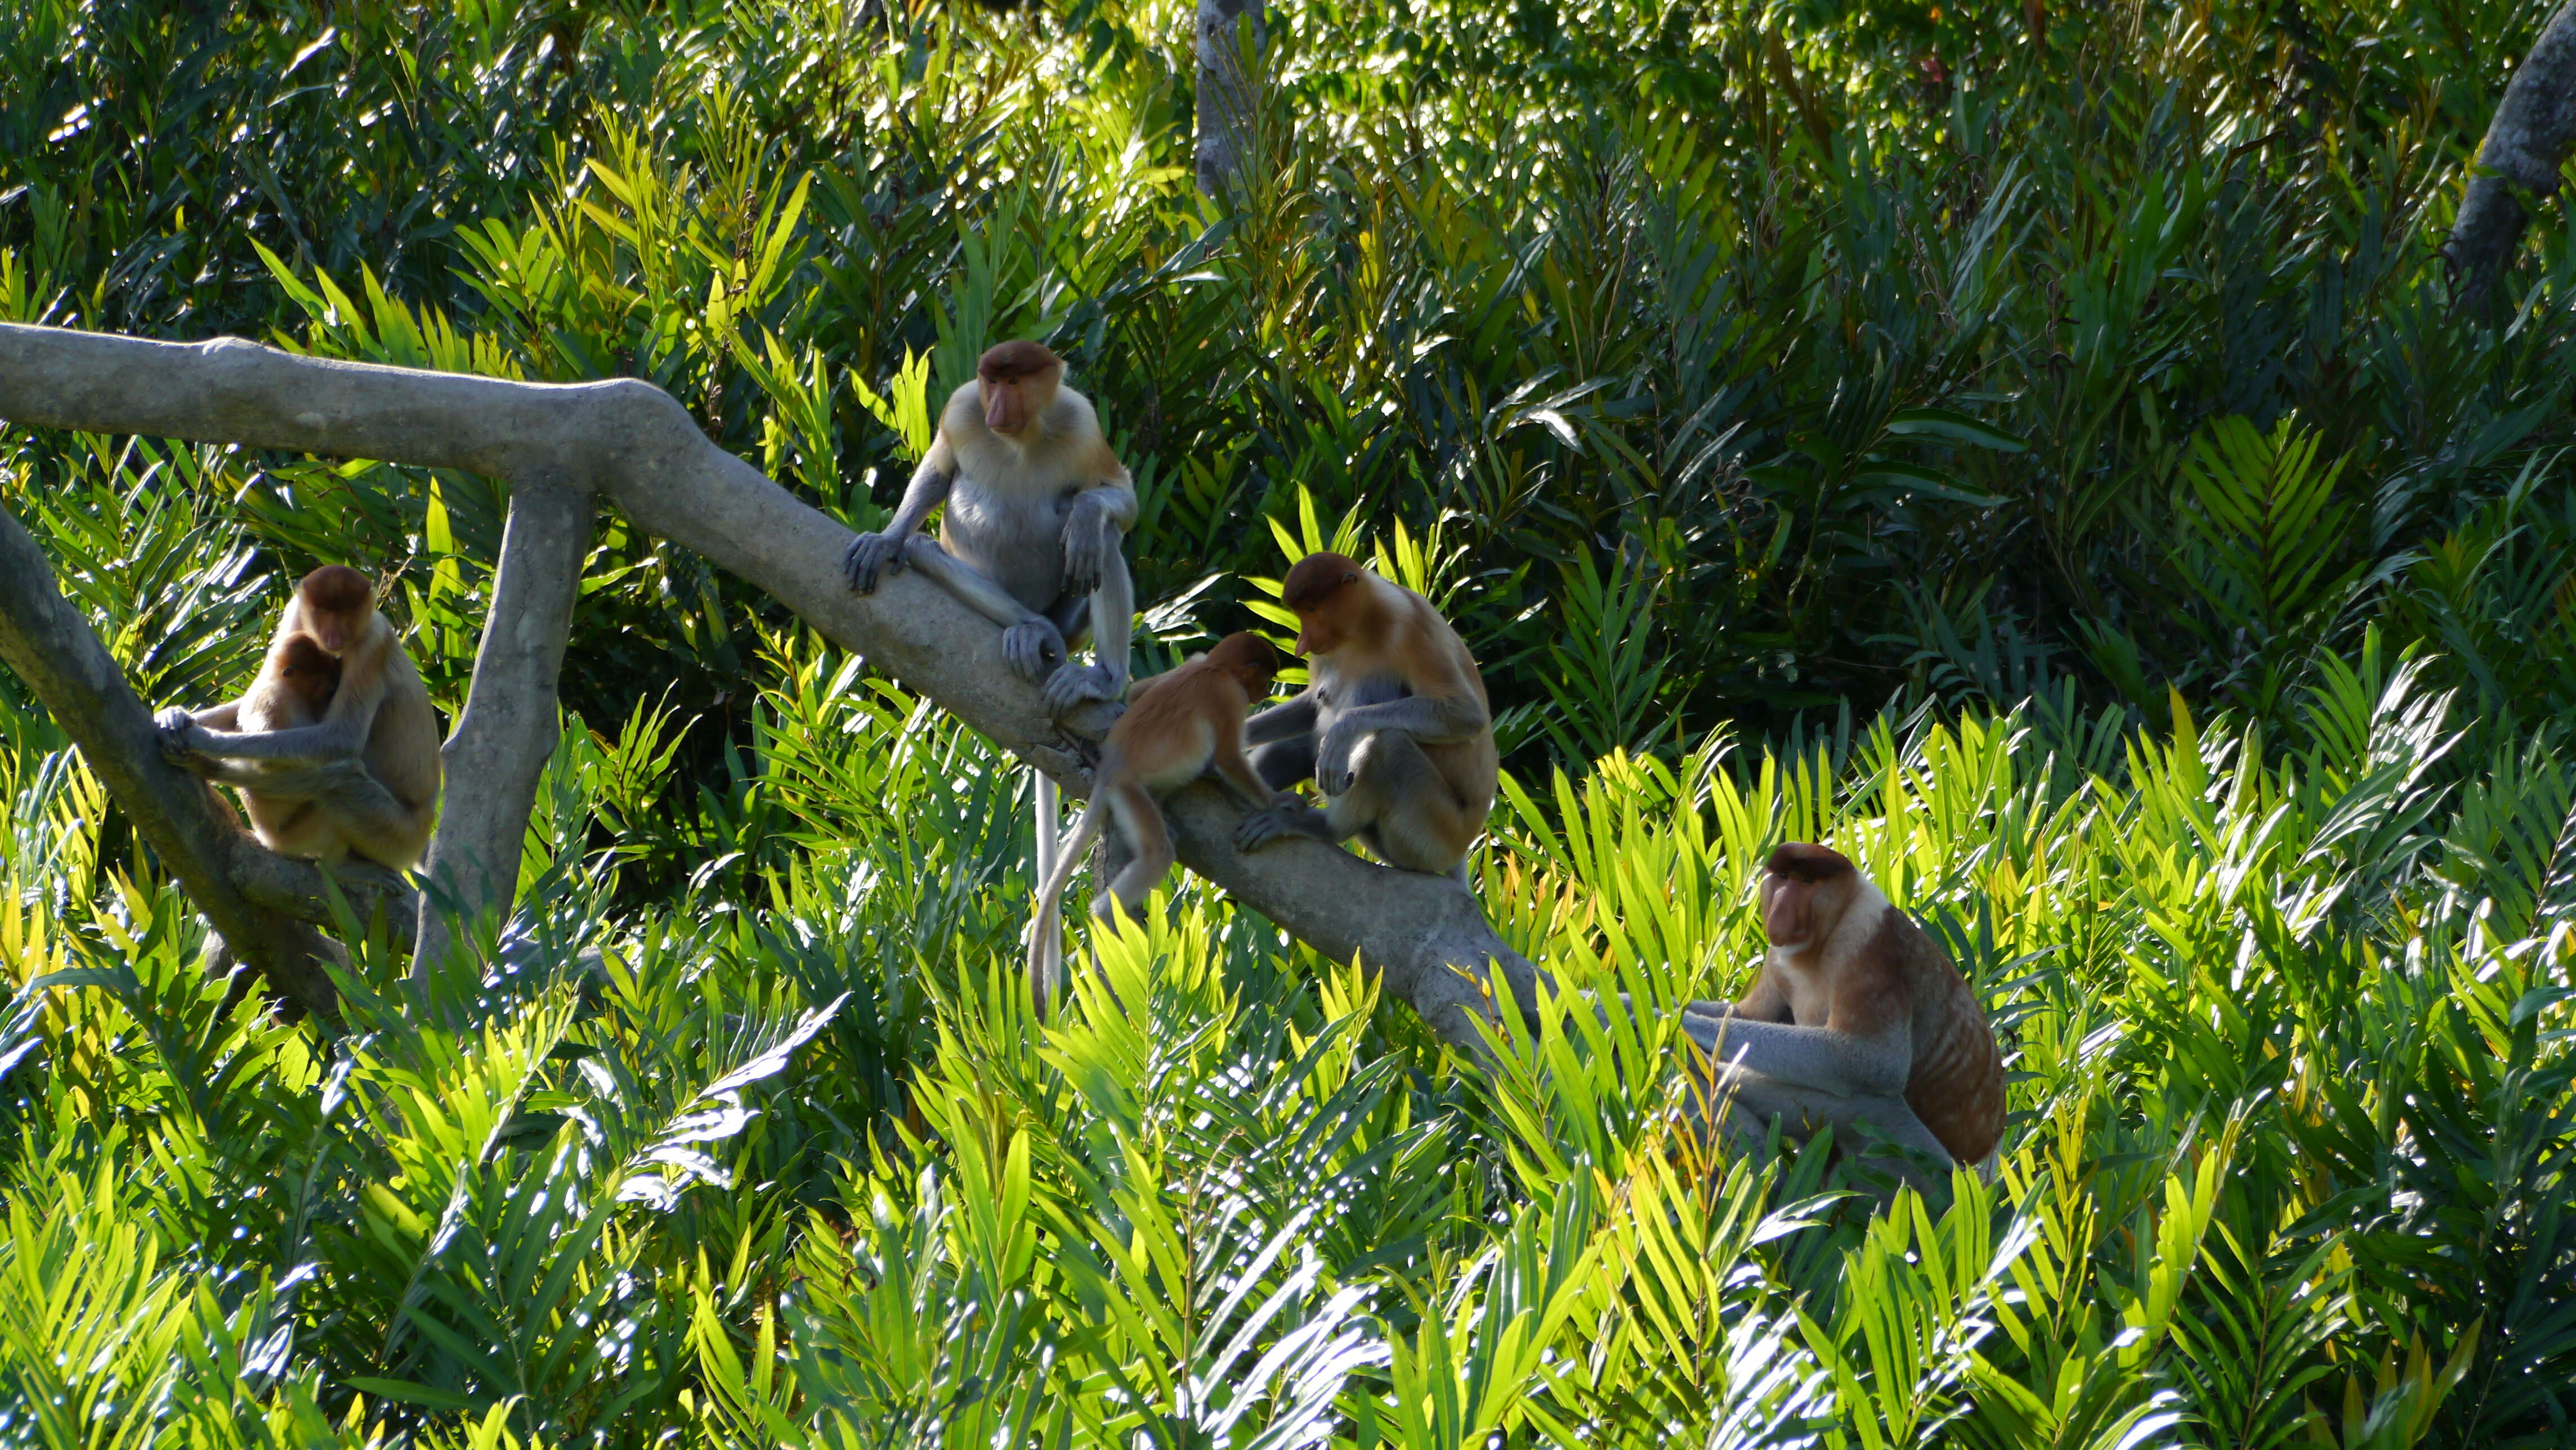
[1394, 727]
[1037, 506]
[295, 686]
[368, 765]
[1858, 1020]
[1178, 727]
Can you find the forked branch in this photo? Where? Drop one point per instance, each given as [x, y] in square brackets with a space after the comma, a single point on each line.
[1423, 935]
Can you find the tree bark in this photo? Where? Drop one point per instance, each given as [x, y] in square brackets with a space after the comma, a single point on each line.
[2525, 145]
[507, 733]
[47, 642]
[1423, 935]
[1226, 94]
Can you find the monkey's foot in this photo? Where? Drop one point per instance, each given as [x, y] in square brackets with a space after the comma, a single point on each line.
[1263, 827]
[1033, 648]
[1076, 685]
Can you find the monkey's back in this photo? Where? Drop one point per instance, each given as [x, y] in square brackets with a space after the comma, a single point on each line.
[1956, 1085]
[1168, 735]
[1472, 767]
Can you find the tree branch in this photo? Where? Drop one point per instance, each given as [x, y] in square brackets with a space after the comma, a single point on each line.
[1226, 92]
[1423, 935]
[507, 733]
[2525, 145]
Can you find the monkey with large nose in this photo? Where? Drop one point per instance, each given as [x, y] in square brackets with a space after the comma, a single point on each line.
[1037, 507]
[1857, 1021]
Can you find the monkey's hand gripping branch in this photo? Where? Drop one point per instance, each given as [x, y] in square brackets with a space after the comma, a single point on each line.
[1422, 934]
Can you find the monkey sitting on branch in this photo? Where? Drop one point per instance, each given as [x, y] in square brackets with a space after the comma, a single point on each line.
[1178, 728]
[1394, 727]
[1857, 1021]
[1038, 505]
[357, 775]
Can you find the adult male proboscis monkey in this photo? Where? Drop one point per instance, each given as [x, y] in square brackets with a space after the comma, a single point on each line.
[1037, 506]
[1178, 727]
[1394, 725]
[368, 765]
[1857, 1021]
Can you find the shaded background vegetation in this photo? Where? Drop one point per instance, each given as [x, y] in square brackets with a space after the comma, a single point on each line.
[2036, 441]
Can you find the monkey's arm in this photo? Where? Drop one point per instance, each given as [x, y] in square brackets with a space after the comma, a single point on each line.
[1113, 619]
[1431, 719]
[870, 555]
[1094, 523]
[1818, 1058]
[226, 716]
[1293, 716]
[341, 734]
[1237, 774]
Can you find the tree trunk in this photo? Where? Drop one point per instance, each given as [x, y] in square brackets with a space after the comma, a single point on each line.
[1227, 93]
[2525, 145]
[1423, 936]
[507, 734]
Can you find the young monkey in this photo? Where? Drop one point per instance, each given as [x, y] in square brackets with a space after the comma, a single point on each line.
[1178, 727]
[294, 687]
[1395, 727]
[1857, 1019]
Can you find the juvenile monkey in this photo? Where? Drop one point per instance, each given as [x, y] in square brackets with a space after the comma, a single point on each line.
[294, 687]
[1178, 727]
[1037, 505]
[367, 764]
[1857, 1018]
[1395, 726]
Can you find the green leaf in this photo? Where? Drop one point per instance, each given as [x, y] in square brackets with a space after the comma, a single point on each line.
[1915, 479]
[1952, 427]
[412, 1394]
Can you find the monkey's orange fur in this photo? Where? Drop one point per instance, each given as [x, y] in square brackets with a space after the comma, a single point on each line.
[1178, 727]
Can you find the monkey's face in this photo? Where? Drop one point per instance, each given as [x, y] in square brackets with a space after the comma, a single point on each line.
[337, 600]
[1325, 590]
[1797, 913]
[1018, 382]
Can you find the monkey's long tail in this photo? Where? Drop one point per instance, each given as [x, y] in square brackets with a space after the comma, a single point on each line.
[1048, 919]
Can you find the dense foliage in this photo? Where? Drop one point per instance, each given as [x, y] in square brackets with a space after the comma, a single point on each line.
[2031, 447]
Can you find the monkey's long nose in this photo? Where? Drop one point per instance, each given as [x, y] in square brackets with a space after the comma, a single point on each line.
[1002, 411]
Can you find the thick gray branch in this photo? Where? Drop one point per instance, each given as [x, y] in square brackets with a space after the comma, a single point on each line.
[45, 640]
[506, 735]
[1226, 94]
[2525, 145]
[642, 450]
